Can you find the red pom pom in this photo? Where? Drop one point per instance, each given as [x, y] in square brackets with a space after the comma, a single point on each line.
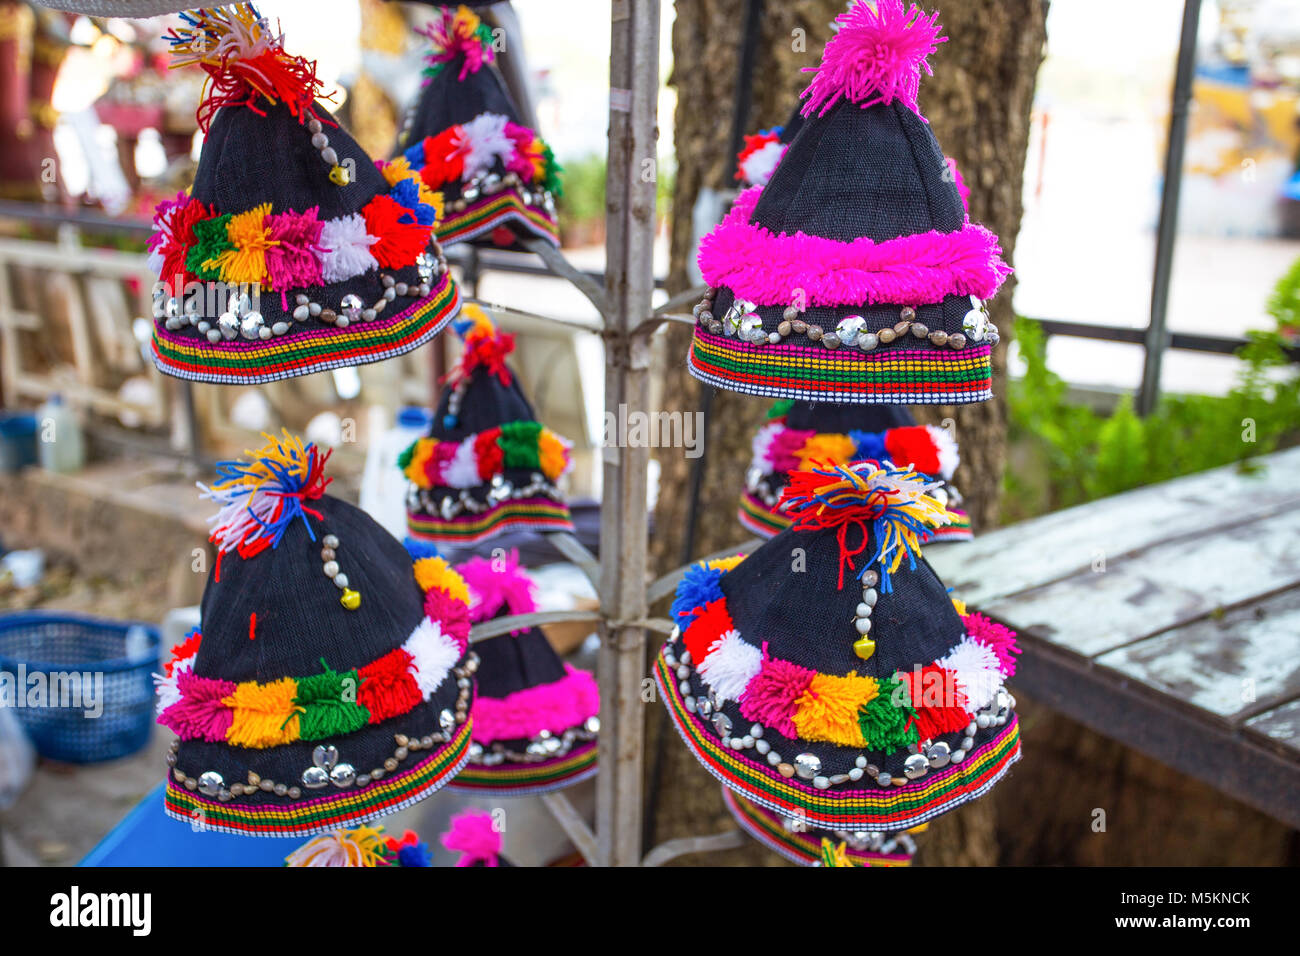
[444, 157]
[401, 237]
[489, 454]
[387, 686]
[912, 445]
[183, 651]
[940, 705]
[709, 624]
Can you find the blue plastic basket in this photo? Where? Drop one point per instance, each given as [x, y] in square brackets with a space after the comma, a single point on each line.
[47, 643]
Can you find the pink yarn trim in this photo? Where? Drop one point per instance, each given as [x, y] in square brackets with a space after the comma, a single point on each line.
[199, 714]
[475, 837]
[876, 56]
[552, 707]
[767, 268]
[999, 639]
[495, 583]
[770, 696]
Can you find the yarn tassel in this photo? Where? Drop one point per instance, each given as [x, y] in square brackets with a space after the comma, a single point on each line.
[474, 836]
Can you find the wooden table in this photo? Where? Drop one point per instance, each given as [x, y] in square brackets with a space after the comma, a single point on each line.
[1167, 618]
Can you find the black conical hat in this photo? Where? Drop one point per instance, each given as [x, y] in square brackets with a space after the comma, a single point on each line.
[488, 466]
[807, 676]
[849, 277]
[536, 717]
[510, 194]
[326, 661]
[292, 252]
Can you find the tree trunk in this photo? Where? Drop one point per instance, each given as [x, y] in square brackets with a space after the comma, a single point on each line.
[979, 103]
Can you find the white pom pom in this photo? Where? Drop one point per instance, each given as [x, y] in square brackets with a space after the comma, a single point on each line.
[730, 665]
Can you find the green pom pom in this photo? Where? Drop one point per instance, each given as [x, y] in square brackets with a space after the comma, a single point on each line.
[404, 458]
[885, 725]
[518, 443]
[329, 703]
[211, 240]
[551, 178]
[780, 408]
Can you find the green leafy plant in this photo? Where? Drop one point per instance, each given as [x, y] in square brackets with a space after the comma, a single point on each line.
[1081, 454]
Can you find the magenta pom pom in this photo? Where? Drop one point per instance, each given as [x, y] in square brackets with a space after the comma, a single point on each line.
[199, 714]
[875, 57]
[495, 583]
[473, 835]
[996, 637]
[770, 697]
[554, 707]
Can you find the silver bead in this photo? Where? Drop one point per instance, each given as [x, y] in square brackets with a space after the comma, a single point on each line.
[847, 328]
[315, 777]
[975, 325]
[343, 775]
[325, 755]
[938, 755]
[721, 724]
[807, 766]
[915, 766]
[351, 305]
[228, 325]
[210, 783]
[250, 326]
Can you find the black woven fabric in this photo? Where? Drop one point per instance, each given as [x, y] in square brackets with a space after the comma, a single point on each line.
[485, 404]
[875, 172]
[804, 619]
[249, 159]
[299, 617]
[509, 664]
[449, 101]
[792, 126]
[842, 419]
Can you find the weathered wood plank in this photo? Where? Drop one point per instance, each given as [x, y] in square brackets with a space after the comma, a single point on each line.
[1225, 666]
[1046, 549]
[1280, 725]
[1158, 588]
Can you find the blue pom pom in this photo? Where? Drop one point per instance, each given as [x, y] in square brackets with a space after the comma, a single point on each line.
[416, 854]
[418, 549]
[415, 155]
[871, 445]
[698, 587]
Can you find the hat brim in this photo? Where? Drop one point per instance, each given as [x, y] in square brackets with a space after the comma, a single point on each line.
[308, 348]
[804, 847]
[477, 221]
[864, 807]
[538, 513]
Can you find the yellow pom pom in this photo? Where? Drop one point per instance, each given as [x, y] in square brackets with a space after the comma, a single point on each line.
[828, 709]
[415, 468]
[825, 448]
[264, 714]
[251, 237]
[552, 454]
[433, 573]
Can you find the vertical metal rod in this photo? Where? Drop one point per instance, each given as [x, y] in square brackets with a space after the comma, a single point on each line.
[629, 284]
[1157, 334]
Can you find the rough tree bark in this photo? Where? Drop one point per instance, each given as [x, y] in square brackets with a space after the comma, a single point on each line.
[979, 104]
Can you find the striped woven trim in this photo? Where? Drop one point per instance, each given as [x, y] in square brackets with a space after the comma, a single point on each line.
[308, 817]
[843, 808]
[843, 376]
[521, 779]
[538, 514]
[802, 848]
[313, 350]
[958, 530]
[502, 209]
[760, 519]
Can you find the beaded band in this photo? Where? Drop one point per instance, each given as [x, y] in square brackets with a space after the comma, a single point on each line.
[894, 809]
[519, 779]
[776, 833]
[927, 375]
[532, 512]
[303, 351]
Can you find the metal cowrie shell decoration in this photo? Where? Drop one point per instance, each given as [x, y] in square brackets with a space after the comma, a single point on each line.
[327, 769]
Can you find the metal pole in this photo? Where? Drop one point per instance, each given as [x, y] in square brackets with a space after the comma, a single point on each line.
[629, 284]
[1157, 334]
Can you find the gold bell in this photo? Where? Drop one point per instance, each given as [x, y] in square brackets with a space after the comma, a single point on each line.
[864, 647]
[351, 599]
[339, 175]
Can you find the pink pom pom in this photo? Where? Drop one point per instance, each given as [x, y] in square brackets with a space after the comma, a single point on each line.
[495, 583]
[474, 836]
[996, 637]
[876, 57]
[770, 697]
